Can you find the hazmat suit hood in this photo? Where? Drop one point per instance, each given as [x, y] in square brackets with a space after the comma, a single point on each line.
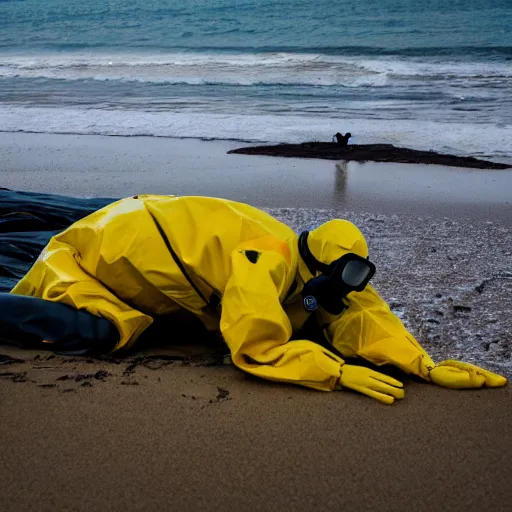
[330, 241]
[327, 243]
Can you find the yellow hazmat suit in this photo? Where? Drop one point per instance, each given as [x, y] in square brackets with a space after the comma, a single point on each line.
[239, 270]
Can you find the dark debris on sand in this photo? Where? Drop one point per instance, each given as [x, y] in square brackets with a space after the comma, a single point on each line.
[6, 360]
[79, 377]
[15, 376]
[368, 153]
[222, 395]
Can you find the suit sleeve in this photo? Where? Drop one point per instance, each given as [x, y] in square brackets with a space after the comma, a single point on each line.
[370, 330]
[258, 331]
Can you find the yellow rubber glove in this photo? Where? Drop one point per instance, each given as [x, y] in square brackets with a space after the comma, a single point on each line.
[458, 375]
[369, 382]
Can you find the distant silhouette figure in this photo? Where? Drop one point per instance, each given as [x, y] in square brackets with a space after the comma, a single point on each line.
[343, 139]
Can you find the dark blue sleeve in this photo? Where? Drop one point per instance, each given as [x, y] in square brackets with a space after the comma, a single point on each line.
[27, 321]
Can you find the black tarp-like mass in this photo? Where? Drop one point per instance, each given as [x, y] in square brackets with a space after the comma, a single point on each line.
[27, 222]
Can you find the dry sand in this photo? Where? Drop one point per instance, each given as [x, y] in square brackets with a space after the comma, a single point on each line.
[176, 430]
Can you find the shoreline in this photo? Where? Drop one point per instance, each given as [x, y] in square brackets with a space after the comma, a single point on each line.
[96, 165]
[323, 150]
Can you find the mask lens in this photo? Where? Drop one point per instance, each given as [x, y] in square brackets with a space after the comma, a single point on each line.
[355, 273]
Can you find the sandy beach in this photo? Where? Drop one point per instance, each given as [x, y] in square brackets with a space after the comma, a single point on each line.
[175, 429]
[105, 100]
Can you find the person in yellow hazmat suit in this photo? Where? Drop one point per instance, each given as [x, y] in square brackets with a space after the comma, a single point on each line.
[242, 273]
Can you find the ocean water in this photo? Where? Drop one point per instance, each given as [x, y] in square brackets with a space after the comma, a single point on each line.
[428, 74]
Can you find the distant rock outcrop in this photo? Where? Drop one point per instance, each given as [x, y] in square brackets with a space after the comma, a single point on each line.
[368, 152]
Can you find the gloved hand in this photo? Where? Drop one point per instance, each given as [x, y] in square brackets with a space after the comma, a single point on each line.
[369, 382]
[458, 375]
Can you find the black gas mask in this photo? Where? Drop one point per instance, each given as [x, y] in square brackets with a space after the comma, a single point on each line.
[350, 273]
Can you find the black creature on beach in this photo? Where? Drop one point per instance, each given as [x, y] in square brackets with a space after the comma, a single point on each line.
[343, 139]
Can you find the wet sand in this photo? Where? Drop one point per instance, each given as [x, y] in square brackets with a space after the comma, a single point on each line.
[122, 166]
[173, 434]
